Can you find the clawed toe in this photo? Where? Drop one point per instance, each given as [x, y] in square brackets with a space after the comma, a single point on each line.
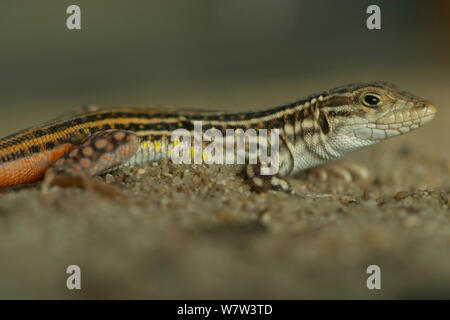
[264, 183]
[348, 172]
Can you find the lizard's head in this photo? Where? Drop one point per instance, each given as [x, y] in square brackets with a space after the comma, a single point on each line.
[363, 114]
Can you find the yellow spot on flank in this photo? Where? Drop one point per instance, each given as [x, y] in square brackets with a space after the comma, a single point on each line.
[175, 143]
[145, 144]
[238, 131]
[157, 146]
[141, 126]
[192, 152]
[204, 156]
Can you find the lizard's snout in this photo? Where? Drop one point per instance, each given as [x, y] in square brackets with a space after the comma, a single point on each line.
[430, 109]
[425, 111]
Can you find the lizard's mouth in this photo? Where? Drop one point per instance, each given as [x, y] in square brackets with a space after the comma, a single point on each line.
[404, 120]
[397, 122]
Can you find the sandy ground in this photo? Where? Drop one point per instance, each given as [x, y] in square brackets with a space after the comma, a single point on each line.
[199, 232]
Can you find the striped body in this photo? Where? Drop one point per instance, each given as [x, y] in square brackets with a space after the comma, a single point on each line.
[313, 130]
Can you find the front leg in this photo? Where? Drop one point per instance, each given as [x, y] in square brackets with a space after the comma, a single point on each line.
[346, 171]
[263, 183]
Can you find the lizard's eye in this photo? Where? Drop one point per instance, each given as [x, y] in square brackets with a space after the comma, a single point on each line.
[371, 100]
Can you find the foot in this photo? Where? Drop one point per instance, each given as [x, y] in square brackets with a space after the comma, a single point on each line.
[346, 171]
[264, 183]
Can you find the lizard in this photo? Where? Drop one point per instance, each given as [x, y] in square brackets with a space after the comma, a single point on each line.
[313, 131]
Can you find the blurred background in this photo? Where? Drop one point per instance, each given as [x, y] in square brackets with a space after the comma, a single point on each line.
[233, 54]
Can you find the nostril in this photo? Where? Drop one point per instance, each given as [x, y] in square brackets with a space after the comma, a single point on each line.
[422, 105]
[425, 108]
[430, 109]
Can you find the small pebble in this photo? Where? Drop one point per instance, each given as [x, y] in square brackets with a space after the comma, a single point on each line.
[400, 195]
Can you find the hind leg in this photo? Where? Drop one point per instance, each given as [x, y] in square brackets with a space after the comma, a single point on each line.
[103, 150]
